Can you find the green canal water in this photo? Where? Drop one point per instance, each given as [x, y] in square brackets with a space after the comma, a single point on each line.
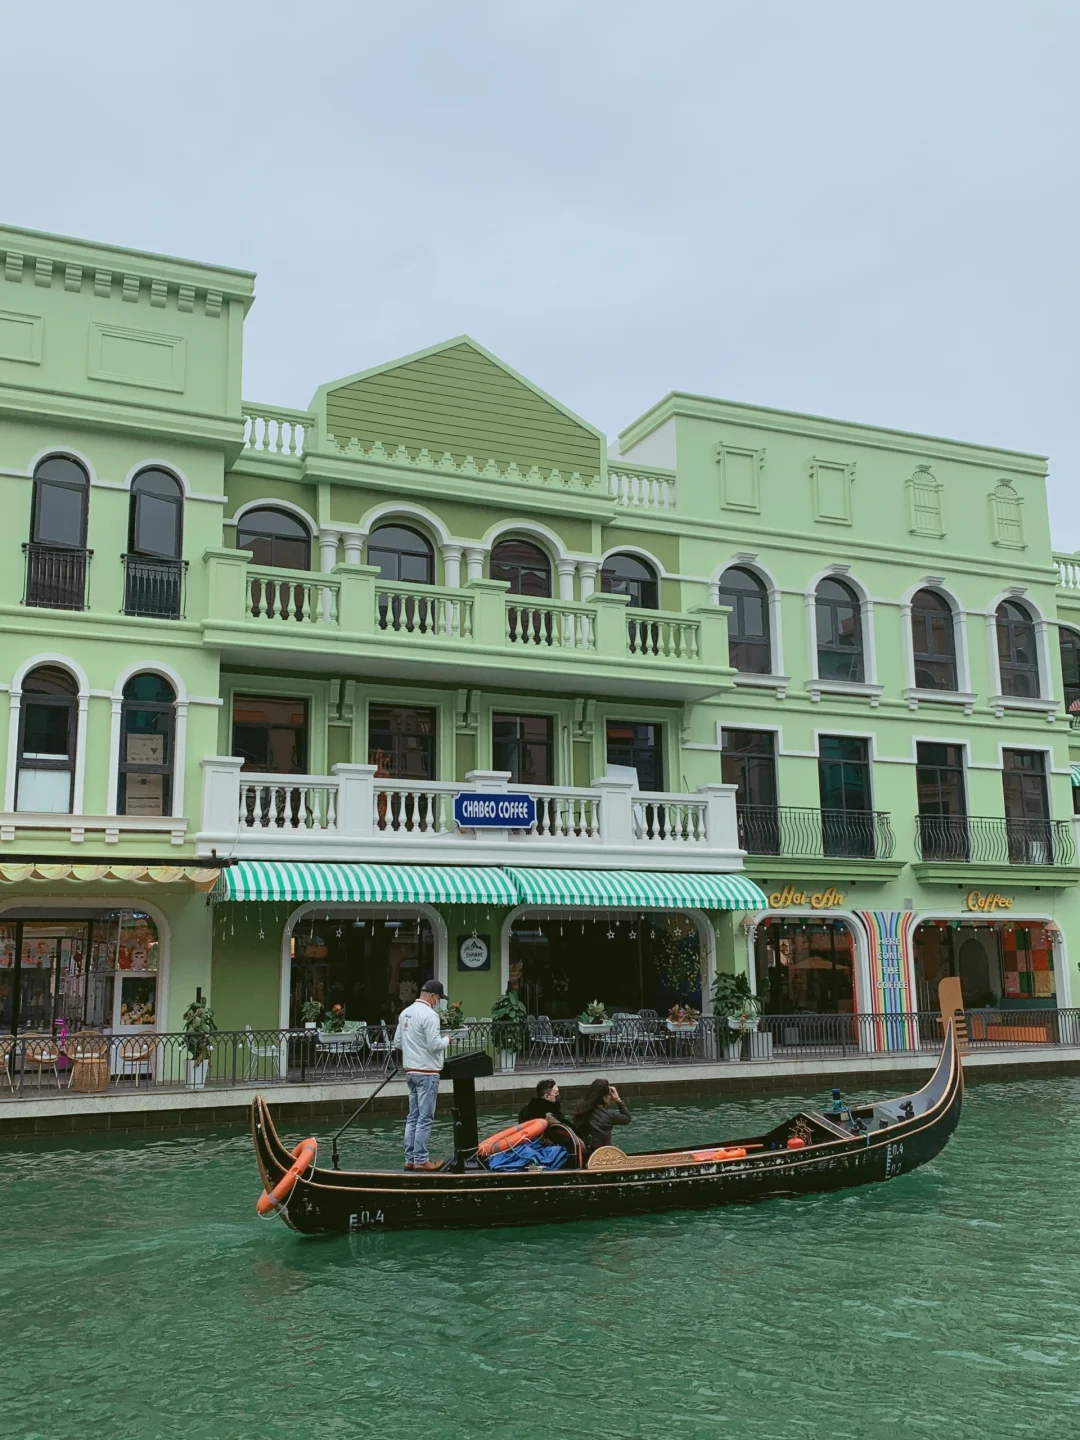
[141, 1298]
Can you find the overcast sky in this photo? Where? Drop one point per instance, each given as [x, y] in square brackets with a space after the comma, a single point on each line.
[857, 209]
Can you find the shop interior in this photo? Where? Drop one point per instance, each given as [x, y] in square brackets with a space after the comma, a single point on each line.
[373, 966]
[805, 965]
[560, 963]
[1006, 965]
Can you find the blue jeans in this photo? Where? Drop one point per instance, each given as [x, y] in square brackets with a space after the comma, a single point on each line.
[423, 1092]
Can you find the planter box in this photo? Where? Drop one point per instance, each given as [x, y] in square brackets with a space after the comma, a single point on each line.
[196, 1074]
[594, 1029]
[507, 1060]
[733, 1050]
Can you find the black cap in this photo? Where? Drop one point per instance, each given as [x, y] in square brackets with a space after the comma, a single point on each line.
[434, 987]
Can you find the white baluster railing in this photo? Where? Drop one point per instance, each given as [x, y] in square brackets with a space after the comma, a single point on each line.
[670, 819]
[291, 596]
[1068, 567]
[288, 802]
[665, 637]
[272, 430]
[423, 610]
[550, 624]
[406, 807]
[642, 487]
[566, 814]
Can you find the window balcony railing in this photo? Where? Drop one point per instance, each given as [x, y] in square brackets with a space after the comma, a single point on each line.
[1072, 706]
[154, 588]
[994, 840]
[791, 831]
[56, 576]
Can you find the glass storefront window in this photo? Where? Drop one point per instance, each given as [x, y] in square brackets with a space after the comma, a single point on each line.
[1001, 966]
[805, 966]
[372, 966]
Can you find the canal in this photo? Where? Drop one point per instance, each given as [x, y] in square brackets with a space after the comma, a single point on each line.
[142, 1299]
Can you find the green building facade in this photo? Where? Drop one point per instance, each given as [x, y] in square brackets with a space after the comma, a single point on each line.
[254, 652]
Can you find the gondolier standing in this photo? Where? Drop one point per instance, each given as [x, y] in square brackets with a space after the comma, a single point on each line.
[423, 1049]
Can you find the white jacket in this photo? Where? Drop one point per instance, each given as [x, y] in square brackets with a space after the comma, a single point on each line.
[419, 1037]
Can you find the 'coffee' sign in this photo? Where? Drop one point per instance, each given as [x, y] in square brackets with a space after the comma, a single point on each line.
[976, 900]
[789, 897]
[477, 811]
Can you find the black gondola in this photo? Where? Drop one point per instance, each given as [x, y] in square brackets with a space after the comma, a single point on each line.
[830, 1152]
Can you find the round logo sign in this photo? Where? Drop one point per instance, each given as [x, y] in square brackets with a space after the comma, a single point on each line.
[473, 953]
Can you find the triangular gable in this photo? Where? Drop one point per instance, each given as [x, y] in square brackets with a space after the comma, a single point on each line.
[458, 397]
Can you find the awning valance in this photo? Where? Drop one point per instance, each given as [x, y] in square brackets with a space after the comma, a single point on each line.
[637, 889]
[364, 884]
[486, 885]
[1076, 774]
[202, 877]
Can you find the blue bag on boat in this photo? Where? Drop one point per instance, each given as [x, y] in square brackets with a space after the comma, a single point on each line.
[548, 1157]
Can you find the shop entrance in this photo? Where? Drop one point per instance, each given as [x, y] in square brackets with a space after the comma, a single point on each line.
[805, 965]
[372, 966]
[98, 970]
[1001, 964]
[629, 962]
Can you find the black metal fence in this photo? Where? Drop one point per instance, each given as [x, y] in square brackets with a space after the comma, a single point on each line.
[89, 1062]
[792, 830]
[56, 576]
[995, 839]
[154, 588]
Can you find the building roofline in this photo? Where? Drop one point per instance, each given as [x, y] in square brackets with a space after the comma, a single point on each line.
[13, 237]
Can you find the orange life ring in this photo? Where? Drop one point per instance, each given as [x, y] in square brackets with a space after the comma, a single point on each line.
[735, 1152]
[796, 1143]
[507, 1139]
[274, 1201]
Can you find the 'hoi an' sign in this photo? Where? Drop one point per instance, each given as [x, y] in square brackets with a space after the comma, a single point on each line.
[990, 902]
[789, 897]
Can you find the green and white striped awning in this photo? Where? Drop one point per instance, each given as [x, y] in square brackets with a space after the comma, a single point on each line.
[637, 889]
[1076, 774]
[485, 885]
[382, 884]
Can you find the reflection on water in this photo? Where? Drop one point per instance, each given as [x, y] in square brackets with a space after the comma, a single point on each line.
[143, 1299]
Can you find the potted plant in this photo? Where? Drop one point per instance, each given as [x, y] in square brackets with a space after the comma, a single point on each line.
[509, 1032]
[734, 1002]
[683, 1018]
[450, 1017]
[199, 1026]
[335, 1020]
[311, 1013]
[593, 1020]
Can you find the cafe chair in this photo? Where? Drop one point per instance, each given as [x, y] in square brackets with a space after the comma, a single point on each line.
[41, 1054]
[544, 1038]
[260, 1055]
[133, 1057]
[380, 1046]
[86, 1051]
[7, 1051]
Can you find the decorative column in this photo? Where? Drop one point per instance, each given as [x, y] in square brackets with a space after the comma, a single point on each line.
[587, 570]
[353, 540]
[566, 569]
[451, 559]
[328, 547]
[892, 975]
[474, 562]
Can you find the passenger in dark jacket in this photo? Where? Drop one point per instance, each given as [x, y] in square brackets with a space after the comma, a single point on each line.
[544, 1103]
[597, 1113]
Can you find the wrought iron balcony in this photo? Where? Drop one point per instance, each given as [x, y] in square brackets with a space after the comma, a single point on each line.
[792, 831]
[994, 840]
[56, 576]
[1072, 706]
[154, 588]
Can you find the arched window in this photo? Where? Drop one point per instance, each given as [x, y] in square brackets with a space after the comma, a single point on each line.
[933, 641]
[524, 566]
[839, 633]
[749, 646]
[153, 569]
[402, 554]
[56, 555]
[147, 729]
[1069, 644]
[629, 575]
[48, 723]
[275, 538]
[1018, 659]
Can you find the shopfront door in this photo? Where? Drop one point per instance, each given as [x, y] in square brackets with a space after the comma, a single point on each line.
[373, 966]
[805, 965]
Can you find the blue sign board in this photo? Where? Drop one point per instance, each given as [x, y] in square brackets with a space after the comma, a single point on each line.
[476, 811]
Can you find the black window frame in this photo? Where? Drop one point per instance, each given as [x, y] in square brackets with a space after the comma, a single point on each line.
[935, 663]
[508, 751]
[749, 652]
[831, 650]
[304, 538]
[643, 589]
[425, 550]
[513, 570]
[130, 705]
[140, 490]
[1069, 653]
[847, 830]
[395, 750]
[302, 746]
[65, 699]
[42, 481]
[1012, 620]
[626, 751]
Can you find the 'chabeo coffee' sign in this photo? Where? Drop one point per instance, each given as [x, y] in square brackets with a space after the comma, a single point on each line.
[476, 811]
[976, 900]
[789, 897]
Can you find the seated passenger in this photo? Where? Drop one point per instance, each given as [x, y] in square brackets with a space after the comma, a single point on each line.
[544, 1105]
[598, 1111]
